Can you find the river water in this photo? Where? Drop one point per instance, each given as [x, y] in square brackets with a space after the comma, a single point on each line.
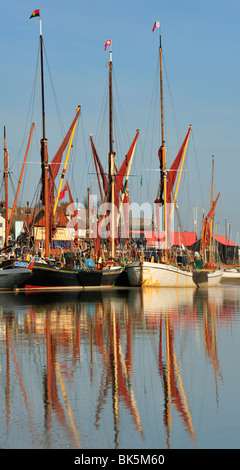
[120, 369]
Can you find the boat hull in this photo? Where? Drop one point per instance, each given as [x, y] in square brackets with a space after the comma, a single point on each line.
[207, 277]
[110, 277]
[214, 278]
[231, 277]
[44, 275]
[165, 275]
[158, 275]
[98, 278]
[89, 278]
[10, 278]
[122, 279]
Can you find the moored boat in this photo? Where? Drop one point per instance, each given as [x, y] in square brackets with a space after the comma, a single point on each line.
[230, 276]
[12, 276]
[47, 273]
[98, 277]
[89, 275]
[144, 273]
[164, 272]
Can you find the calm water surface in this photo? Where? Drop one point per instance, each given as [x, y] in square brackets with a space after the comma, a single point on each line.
[127, 369]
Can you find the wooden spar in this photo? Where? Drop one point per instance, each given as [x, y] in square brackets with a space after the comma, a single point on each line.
[96, 166]
[163, 148]
[180, 173]
[65, 163]
[6, 170]
[20, 179]
[210, 240]
[45, 168]
[126, 180]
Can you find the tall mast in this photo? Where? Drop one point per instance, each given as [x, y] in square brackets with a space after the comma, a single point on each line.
[6, 187]
[44, 154]
[163, 147]
[111, 154]
[211, 223]
[110, 111]
[42, 80]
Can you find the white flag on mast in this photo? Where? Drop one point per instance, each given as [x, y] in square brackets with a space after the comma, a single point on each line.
[156, 25]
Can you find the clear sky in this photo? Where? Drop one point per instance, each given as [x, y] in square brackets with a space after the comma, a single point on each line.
[201, 44]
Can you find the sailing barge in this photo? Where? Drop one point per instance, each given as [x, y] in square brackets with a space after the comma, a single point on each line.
[164, 273]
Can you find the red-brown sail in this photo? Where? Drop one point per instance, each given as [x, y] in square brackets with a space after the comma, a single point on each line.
[206, 226]
[53, 172]
[120, 174]
[172, 173]
[98, 163]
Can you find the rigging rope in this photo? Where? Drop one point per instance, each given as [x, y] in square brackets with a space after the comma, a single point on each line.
[54, 95]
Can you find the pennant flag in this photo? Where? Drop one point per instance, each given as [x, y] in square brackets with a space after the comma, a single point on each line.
[62, 193]
[35, 13]
[108, 43]
[156, 25]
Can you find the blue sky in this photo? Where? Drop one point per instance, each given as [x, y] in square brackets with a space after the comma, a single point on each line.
[201, 56]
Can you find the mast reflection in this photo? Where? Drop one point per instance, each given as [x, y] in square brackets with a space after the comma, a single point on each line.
[81, 361]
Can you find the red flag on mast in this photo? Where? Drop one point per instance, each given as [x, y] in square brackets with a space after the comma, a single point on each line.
[35, 13]
[107, 43]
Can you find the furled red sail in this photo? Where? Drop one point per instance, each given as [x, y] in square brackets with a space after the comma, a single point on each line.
[172, 173]
[99, 165]
[159, 199]
[123, 169]
[171, 178]
[54, 169]
[120, 174]
[206, 226]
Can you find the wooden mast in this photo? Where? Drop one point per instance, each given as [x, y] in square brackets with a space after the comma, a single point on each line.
[163, 148]
[6, 170]
[44, 154]
[111, 155]
[211, 222]
[110, 113]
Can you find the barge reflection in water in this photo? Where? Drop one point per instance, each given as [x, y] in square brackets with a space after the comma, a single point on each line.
[123, 368]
